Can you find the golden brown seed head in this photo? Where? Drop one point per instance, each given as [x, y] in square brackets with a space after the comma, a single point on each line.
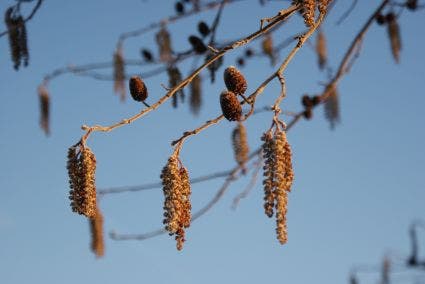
[323, 5]
[308, 11]
[234, 80]
[278, 178]
[81, 167]
[230, 106]
[138, 89]
[96, 230]
[177, 206]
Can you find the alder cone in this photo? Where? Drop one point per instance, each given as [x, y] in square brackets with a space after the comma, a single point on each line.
[234, 80]
[138, 89]
[230, 106]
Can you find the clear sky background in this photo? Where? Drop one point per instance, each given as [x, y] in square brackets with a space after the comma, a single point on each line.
[356, 189]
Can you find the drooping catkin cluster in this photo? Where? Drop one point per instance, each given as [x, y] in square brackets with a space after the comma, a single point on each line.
[332, 107]
[321, 50]
[174, 78]
[308, 9]
[44, 99]
[213, 67]
[278, 178]
[177, 206]
[119, 73]
[163, 41]
[17, 38]
[196, 95]
[96, 231]
[394, 35]
[81, 167]
[385, 273]
[240, 144]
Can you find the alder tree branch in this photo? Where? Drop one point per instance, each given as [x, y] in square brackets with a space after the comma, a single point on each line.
[98, 128]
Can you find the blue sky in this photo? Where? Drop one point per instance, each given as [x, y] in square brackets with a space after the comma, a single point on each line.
[356, 189]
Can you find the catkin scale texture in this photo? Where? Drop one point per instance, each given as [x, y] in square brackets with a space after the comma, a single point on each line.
[138, 89]
[230, 106]
[234, 80]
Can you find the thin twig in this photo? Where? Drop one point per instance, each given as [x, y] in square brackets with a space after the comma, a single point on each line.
[249, 187]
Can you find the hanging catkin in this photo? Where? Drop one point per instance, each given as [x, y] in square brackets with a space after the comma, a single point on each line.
[163, 41]
[240, 145]
[267, 47]
[119, 73]
[174, 78]
[332, 107]
[321, 50]
[308, 11]
[96, 232]
[278, 178]
[394, 36]
[177, 206]
[81, 167]
[196, 95]
[17, 38]
[44, 99]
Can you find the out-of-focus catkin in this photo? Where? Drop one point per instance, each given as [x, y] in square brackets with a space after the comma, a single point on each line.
[196, 95]
[322, 53]
[44, 99]
[332, 113]
[177, 206]
[119, 73]
[267, 47]
[278, 178]
[174, 78]
[17, 37]
[163, 41]
[81, 167]
[394, 36]
[240, 145]
[96, 231]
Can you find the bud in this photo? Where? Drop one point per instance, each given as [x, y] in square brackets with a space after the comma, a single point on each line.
[197, 44]
[138, 89]
[203, 29]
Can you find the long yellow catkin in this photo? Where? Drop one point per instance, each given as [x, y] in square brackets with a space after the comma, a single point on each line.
[96, 230]
[177, 206]
[81, 167]
[278, 178]
[240, 144]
